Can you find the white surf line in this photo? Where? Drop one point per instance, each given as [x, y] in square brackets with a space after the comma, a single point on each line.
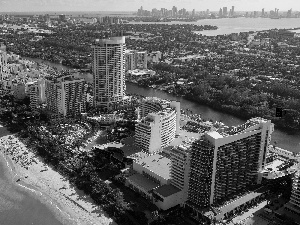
[32, 190]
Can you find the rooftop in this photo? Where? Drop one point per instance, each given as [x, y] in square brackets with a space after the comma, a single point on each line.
[167, 190]
[143, 182]
[227, 131]
[214, 135]
[242, 200]
[184, 138]
[158, 164]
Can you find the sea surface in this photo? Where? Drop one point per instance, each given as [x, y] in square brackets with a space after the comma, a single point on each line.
[17, 206]
[237, 25]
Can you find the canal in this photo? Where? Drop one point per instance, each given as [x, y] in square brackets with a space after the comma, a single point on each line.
[283, 140]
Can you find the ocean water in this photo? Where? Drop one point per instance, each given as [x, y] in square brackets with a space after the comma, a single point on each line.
[236, 25]
[20, 207]
[17, 206]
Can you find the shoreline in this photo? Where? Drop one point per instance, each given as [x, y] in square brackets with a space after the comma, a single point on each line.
[11, 175]
[67, 204]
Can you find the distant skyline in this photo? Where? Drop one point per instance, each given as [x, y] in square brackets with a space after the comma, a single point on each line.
[133, 5]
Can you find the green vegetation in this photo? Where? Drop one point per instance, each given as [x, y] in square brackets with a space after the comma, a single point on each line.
[60, 144]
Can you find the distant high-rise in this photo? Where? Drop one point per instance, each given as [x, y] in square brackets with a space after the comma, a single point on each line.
[109, 71]
[62, 18]
[174, 11]
[220, 12]
[225, 13]
[232, 11]
[263, 12]
[227, 162]
[289, 13]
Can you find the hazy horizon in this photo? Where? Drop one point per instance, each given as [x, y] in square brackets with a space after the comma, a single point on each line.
[11, 6]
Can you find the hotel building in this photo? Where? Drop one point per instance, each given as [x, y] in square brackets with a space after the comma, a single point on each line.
[180, 168]
[294, 204]
[159, 124]
[227, 162]
[109, 71]
[66, 95]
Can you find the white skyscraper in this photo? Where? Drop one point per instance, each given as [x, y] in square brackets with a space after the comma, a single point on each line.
[109, 71]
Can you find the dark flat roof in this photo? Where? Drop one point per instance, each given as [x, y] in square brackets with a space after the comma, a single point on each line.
[167, 190]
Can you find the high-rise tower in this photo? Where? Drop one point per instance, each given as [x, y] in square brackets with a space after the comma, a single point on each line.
[227, 162]
[109, 71]
[66, 95]
[294, 203]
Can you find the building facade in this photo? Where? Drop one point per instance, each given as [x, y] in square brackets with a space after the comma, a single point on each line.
[36, 92]
[227, 162]
[294, 204]
[159, 124]
[66, 95]
[180, 168]
[109, 71]
[3, 65]
[135, 60]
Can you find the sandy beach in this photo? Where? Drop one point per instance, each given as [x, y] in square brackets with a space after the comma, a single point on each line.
[29, 173]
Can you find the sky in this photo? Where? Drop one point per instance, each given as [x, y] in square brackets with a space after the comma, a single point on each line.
[133, 5]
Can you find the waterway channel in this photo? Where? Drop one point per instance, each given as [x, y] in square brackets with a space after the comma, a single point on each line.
[283, 140]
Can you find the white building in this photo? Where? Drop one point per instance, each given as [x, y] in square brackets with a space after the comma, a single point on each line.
[66, 95]
[152, 179]
[159, 124]
[109, 71]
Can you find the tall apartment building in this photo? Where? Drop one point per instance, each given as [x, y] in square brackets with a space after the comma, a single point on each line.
[225, 13]
[66, 95]
[294, 204]
[135, 60]
[227, 162]
[109, 71]
[36, 92]
[159, 124]
[3, 65]
[180, 168]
